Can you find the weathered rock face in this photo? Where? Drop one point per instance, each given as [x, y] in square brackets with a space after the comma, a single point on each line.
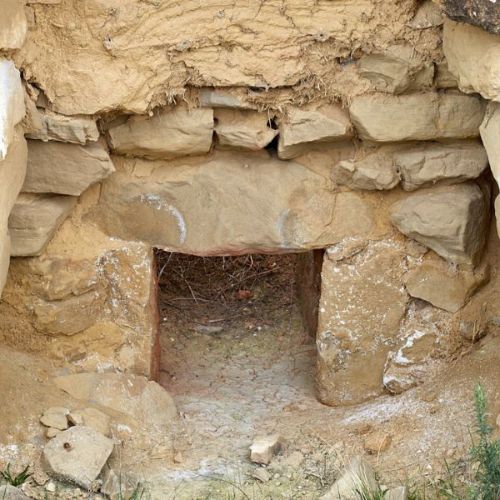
[55, 167]
[427, 116]
[170, 134]
[165, 46]
[301, 127]
[13, 25]
[482, 13]
[11, 103]
[34, 220]
[423, 338]
[473, 57]
[362, 304]
[451, 220]
[248, 130]
[223, 204]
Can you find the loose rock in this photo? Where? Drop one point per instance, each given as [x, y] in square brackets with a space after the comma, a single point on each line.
[359, 476]
[9, 492]
[264, 448]
[55, 417]
[77, 456]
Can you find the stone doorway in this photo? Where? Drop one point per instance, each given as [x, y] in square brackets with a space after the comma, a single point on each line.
[235, 336]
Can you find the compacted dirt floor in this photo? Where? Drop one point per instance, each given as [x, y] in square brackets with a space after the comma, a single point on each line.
[239, 363]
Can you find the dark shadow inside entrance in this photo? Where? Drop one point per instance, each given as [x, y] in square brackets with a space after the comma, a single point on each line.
[234, 343]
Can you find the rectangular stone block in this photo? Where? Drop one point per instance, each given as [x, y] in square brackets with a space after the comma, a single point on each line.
[56, 167]
[13, 24]
[417, 117]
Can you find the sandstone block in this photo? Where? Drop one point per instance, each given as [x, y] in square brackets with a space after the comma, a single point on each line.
[247, 130]
[361, 307]
[300, 127]
[451, 220]
[13, 25]
[12, 108]
[54, 167]
[359, 476]
[12, 173]
[169, 134]
[249, 201]
[443, 286]
[133, 395]
[68, 316]
[374, 172]
[427, 116]
[482, 13]
[490, 134]
[397, 70]
[56, 127]
[77, 456]
[473, 57]
[34, 220]
[432, 163]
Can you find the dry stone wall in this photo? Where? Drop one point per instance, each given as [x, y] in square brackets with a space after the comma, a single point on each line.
[363, 128]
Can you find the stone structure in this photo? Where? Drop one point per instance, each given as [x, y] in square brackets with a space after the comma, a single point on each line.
[347, 128]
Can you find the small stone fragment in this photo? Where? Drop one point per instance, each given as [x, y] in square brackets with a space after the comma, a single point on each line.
[261, 474]
[359, 476]
[77, 455]
[375, 172]
[264, 448]
[377, 443]
[50, 487]
[55, 417]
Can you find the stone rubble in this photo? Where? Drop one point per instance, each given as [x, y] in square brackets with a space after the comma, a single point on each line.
[56, 418]
[77, 455]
